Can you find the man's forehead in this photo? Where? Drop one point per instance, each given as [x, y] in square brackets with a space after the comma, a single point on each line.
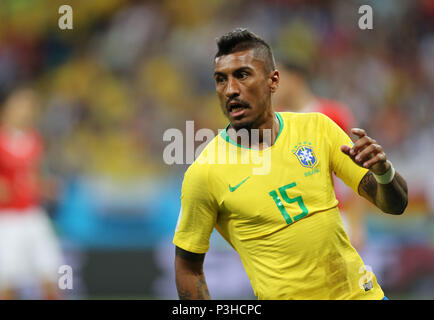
[237, 60]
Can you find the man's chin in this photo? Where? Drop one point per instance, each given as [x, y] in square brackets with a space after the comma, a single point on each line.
[243, 123]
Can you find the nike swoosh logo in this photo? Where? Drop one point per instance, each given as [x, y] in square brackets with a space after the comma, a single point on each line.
[232, 189]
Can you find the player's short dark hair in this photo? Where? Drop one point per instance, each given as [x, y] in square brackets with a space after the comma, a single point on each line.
[241, 39]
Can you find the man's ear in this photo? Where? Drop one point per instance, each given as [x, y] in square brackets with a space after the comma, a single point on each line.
[273, 80]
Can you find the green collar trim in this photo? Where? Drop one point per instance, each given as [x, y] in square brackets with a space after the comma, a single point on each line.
[226, 137]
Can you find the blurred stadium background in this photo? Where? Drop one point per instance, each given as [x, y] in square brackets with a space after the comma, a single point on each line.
[129, 70]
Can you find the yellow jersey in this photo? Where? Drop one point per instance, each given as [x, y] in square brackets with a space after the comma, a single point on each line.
[277, 208]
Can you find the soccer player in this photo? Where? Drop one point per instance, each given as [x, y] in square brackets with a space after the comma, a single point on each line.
[296, 95]
[28, 246]
[284, 221]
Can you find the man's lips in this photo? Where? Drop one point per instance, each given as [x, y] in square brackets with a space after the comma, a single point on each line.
[237, 112]
[237, 108]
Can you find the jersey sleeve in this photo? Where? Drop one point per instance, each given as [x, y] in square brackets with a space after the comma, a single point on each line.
[198, 213]
[342, 165]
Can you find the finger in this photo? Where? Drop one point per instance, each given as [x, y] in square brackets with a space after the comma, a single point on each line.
[361, 144]
[346, 149]
[378, 158]
[367, 153]
[358, 132]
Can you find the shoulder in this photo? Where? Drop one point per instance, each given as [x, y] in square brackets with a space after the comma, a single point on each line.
[199, 169]
[304, 118]
[338, 112]
[311, 122]
[198, 187]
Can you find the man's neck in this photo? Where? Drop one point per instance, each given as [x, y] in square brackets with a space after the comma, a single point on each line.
[260, 136]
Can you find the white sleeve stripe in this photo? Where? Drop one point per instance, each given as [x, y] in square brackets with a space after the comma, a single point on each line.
[179, 219]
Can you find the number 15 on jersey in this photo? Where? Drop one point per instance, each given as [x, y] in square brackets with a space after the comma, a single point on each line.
[286, 198]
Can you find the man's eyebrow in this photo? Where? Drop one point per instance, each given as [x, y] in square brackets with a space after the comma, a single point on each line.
[218, 73]
[243, 68]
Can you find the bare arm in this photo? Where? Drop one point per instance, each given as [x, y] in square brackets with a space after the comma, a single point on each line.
[190, 279]
[392, 197]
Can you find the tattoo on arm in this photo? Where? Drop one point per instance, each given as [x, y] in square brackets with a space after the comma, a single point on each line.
[190, 279]
[368, 187]
[390, 198]
[202, 289]
[182, 292]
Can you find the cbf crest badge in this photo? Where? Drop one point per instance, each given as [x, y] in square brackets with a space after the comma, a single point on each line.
[305, 155]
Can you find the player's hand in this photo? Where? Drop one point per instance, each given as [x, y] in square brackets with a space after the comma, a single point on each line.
[367, 153]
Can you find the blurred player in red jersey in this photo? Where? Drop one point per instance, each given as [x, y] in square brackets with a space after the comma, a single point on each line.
[28, 246]
[297, 96]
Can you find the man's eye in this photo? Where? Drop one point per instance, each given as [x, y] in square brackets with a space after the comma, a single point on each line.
[219, 79]
[242, 75]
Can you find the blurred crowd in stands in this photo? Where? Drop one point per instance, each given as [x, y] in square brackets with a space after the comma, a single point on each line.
[129, 70]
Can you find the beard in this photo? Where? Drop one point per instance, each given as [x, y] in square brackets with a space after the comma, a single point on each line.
[248, 125]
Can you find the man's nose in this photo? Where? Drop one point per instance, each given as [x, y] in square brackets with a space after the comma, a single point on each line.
[232, 88]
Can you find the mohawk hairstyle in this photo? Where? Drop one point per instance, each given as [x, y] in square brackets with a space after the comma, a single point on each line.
[241, 39]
